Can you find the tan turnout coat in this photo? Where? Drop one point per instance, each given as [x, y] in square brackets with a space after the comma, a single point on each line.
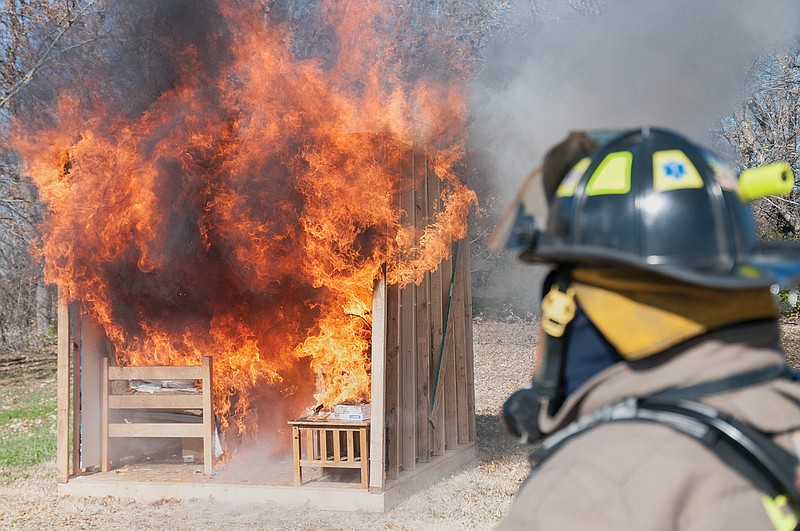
[644, 476]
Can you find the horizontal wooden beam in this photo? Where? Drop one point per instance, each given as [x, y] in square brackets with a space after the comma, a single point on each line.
[331, 464]
[156, 401]
[156, 373]
[146, 429]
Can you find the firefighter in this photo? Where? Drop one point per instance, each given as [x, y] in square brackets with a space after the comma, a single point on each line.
[661, 397]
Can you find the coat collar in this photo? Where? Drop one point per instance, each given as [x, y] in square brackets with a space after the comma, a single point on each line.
[728, 351]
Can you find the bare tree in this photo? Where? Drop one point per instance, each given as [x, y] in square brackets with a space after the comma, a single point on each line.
[35, 38]
[765, 129]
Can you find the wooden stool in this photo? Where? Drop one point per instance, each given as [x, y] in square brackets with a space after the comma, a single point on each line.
[331, 444]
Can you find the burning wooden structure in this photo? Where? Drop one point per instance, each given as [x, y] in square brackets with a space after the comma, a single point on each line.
[422, 422]
[294, 218]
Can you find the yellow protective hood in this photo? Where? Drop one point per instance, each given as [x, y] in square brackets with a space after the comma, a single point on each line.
[641, 314]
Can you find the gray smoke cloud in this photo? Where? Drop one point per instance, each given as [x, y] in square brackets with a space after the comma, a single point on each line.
[678, 64]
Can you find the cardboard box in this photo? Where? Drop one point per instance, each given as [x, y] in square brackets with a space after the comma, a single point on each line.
[351, 412]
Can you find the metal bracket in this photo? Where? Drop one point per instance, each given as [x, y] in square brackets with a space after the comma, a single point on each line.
[558, 309]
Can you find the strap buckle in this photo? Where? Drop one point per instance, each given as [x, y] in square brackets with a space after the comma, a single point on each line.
[558, 309]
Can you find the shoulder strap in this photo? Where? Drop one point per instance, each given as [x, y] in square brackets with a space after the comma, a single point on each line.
[730, 383]
[558, 310]
[753, 454]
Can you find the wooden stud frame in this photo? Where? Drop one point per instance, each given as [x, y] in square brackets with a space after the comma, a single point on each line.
[422, 379]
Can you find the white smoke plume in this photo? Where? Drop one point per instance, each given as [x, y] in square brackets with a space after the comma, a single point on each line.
[677, 64]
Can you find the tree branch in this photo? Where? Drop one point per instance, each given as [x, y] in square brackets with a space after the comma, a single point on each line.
[65, 25]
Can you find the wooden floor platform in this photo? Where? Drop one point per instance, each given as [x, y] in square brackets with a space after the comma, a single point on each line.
[149, 482]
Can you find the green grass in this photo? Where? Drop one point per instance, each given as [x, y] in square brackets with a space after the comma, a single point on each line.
[27, 428]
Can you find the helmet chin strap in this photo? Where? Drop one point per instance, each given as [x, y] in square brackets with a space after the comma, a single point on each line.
[558, 310]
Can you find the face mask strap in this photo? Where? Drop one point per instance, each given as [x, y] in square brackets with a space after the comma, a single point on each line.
[558, 310]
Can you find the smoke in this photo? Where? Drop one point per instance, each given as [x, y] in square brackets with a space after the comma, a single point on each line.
[679, 64]
[675, 64]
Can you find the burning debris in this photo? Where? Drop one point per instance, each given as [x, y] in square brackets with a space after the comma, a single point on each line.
[246, 213]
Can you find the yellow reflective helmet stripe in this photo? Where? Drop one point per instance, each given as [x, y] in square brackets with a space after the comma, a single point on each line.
[780, 513]
[612, 176]
[672, 170]
[571, 180]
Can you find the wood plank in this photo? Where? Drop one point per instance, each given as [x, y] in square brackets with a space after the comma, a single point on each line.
[154, 429]
[156, 401]
[310, 434]
[379, 400]
[63, 396]
[364, 458]
[194, 372]
[468, 338]
[408, 356]
[436, 311]
[459, 334]
[351, 452]
[422, 318]
[392, 382]
[449, 362]
[330, 464]
[208, 415]
[337, 446]
[323, 444]
[319, 424]
[104, 390]
[75, 353]
[296, 445]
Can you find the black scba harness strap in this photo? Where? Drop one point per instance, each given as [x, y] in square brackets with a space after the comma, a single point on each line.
[558, 310]
[752, 453]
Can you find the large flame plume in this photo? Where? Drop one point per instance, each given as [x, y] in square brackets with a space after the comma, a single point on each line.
[246, 213]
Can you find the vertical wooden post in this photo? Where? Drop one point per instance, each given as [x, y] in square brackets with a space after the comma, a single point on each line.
[311, 443]
[408, 350]
[378, 390]
[296, 451]
[337, 446]
[467, 257]
[104, 390]
[362, 447]
[208, 416]
[459, 333]
[437, 320]
[422, 317]
[74, 346]
[392, 382]
[63, 397]
[323, 444]
[449, 362]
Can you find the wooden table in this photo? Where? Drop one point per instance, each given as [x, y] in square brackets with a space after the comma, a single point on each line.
[330, 444]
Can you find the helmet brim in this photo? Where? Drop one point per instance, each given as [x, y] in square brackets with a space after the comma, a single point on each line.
[773, 262]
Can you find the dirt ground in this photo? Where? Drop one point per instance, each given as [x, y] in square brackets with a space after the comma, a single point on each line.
[475, 498]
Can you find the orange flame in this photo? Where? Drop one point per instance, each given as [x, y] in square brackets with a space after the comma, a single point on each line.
[248, 211]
